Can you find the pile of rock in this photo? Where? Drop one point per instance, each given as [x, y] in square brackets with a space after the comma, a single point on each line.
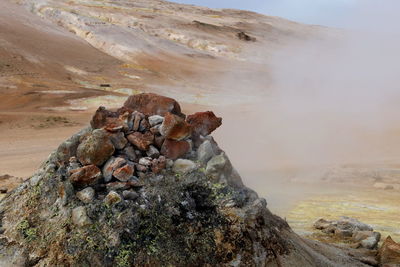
[148, 135]
[351, 230]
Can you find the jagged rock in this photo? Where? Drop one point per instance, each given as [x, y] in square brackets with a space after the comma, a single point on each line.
[86, 195]
[86, 175]
[73, 165]
[153, 104]
[205, 151]
[112, 198]
[124, 173]
[155, 120]
[174, 149]
[102, 117]
[130, 195]
[137, 117]
[111, 165]
[146, 161]
[175, 127]
[144, 125]
[371, 242]
[389, 253]
[216, 165]
[118, 140]
[183, 166]
[79, 217]
[153, 152]
[130, 153]
[204, 123]
[95, 148]
[141, 141]
[69, 147]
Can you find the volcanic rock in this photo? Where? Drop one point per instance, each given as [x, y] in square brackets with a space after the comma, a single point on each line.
[112, 198]
[153, 152]
[175, 149]
[79, 217]
[130, 195]
[103, 117]
[86, 195]
[153, 104]
[216, 165]
[130, 153]
[389, 253]
[205, 151]
[111, 165]
[85, 176]
[183, 166]
[95, 148]
[175, 127]
[204, 123]
[141, 141]
[124, 173]
[118, 140]
[155, 120]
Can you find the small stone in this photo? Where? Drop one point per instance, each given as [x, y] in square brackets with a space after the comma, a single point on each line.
[175, 127]
[155, 120]
[183, 166]
[86, 195]
[141, 141]
[159, 141]
[155, 129]
[129, 152]
[204, 123]
[80, 218]
[144, 125]
[141, 168]
[111, 165]
[95, 149]
[112, 198]
[124, 173]
[153, 152]
[322, 224]
[174, 149]
[85, 176]
[145, 161]
[130, 195]
[118, 140]
[216, 164]
[372, 241]
[205, 151]
[3, 190]
[137, 118]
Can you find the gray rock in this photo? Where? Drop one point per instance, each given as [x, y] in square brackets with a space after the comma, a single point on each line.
[183, 166]
[130, 153]
[372, 241]
[111, 165]
[112, 198]
[118, 140]
[155, 120]
[153, 152]
[79, 217]
[130, 195]
[86, 195]
[205, 152]
[216, 164]
[145, 161]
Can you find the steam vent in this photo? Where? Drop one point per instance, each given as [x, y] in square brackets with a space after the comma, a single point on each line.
[146, 185]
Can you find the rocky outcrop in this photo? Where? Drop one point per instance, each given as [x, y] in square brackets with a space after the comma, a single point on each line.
[113, 208]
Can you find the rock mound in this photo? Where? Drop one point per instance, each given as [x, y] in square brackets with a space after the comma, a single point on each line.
[147, 187]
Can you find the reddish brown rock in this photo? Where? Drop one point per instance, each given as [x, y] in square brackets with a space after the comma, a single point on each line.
[85, 176]
[175, 127]
[159, 141]
[153, 104]
[204, 123]
[110, 166]
[124, 173]
[157, 165]
[108, 120]
[95, 149]
[389, 253]
[175, 149]
[141, 141]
